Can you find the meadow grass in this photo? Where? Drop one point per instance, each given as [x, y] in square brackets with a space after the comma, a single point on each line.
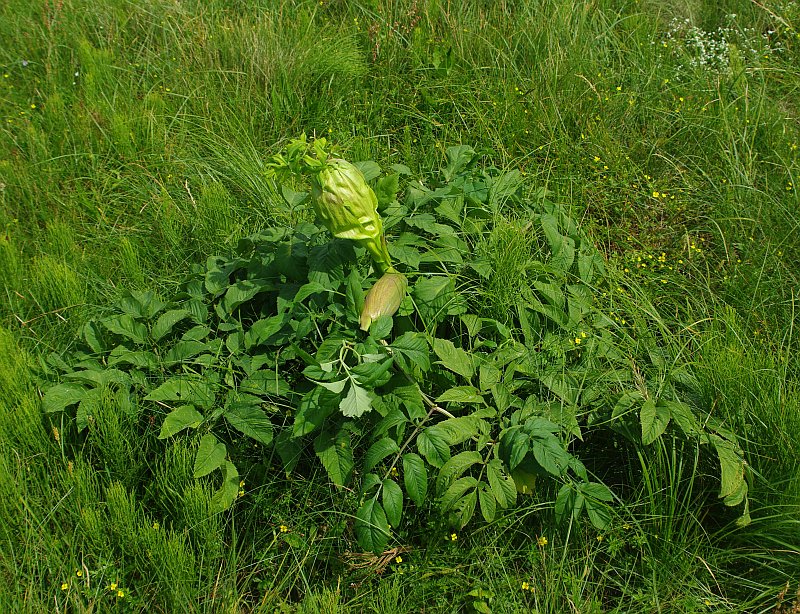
[134, 139]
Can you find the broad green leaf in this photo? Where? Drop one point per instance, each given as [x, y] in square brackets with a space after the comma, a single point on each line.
[599, 514]
[61, 396]
[166, 322]
[125, 326]
[453, 358]
[415, 477]
[373, 374]
[487, 502]
[489, 375]
[565, 503]
[502, 486]
[386, 189]
[309, 289]
[392, 498]
[184, 350]
[371, 526]
[354, 293]
[357, 402]
[432, 444]
[514, 446]
[99, 377]
[239, 293]
[414, 347]
[266, 383]
[461, 394]
[455, 491]
[185, 389]
[549, 453]
[141, 358]
[655, 419]
[263, 329]
[210, 456]
[378, 451]
[460, 429]
[93, 337]
[597, 491]
[334, 450]
[336, 386]
[731, 466]
[246, 416]
[381, 327]
[454, 468]
[178, 419]
[369, 169]
[288, 449]
[683, 416]
[315, 406]
[224, 497]
[434, 297]
[464, 509]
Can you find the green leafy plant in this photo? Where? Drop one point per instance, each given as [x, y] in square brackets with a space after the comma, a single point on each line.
[443, 398]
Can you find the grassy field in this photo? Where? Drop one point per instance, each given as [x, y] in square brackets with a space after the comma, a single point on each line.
[134, 142]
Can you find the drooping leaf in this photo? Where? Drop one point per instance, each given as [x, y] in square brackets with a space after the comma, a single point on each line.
[371, 526]
[392, 498]
[315, 406]
[224, 497]
[415, 477]
[502, 486]
[336, 455]
[487, 502]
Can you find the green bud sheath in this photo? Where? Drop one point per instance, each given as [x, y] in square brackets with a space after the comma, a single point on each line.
[348, 207]
[384, 298]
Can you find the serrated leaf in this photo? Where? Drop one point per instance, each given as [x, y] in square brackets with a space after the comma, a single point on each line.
[166, 322]
[549, 453]
[453, 358]
[683, 416]
[334, 450]
[357, 402]
[392, 498]
[315, 406]
[288, 449]
[655, 419]
[455, 491]
[415, 477]
[246, 416]
[454, 468]
[378, 451]
[565, 503]
[61, 396]
[502, 486]
[458, 430]
[183, 417]
[487, 502]
[461, 394]
[371, 526]
[432, 444]
[210, 456]
[464, 509]
[414, 347]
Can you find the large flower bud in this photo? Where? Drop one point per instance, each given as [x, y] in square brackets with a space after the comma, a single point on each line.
[384, 298]
[349, 208]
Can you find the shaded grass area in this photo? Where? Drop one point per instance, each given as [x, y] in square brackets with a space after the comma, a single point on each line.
[133, 144]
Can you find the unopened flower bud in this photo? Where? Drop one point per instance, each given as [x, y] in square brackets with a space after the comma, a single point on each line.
[384, 298]
[348, 207]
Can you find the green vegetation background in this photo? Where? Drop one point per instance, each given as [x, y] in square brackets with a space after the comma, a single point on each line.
[133, 143]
